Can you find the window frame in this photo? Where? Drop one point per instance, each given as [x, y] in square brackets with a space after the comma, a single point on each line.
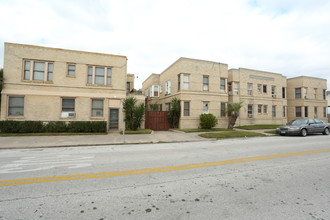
[250, 111]
[15, 106]
[298, 113]
[92, 75]
[222, 84]
[223, 109]
[65, 109]
[29, 73]
[274, 111]
[186, 108]
[306, 111]
[206, 107]
[259, 109]
[250, 89]
[93, 108]
[69, 71]
[297, 95]
[206, 82]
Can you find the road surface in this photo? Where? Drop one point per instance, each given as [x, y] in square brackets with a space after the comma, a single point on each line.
[255, 178]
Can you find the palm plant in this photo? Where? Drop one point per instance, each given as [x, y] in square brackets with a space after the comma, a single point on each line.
[133, 114]
[174, 113]
[233, 113]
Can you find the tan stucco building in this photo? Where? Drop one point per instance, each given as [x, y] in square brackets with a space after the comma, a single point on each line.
[207, 87]
[307, 98]
[50, 84]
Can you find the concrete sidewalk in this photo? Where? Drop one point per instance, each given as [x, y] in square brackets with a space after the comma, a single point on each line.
[20, 142]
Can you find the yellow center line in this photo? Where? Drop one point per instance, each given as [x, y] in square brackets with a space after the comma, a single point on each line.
[152, 170]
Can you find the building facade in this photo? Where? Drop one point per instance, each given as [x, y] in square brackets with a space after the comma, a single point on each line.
[49, 84]
[307, 98]
[207, 87]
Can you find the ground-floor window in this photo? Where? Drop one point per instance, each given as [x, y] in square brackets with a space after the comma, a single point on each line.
[265, 109]
[259, 109]
[68, 104]
[250, 111]
[325, 112]
[306, 111]
[274, 111]
[223, 109]
[16, 106]
[284, 111]
[186, 108]
[315, 112]
[97, 107]
[205, 107]
[298, 111]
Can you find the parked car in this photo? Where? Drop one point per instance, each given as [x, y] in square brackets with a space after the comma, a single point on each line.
[303, 127]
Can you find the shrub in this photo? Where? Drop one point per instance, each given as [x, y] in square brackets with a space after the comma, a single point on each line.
[56, 126]
[87, 126]
[207, 121]
[9, 126]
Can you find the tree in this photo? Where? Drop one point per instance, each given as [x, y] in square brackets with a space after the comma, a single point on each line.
[154, 107]
[174, 113]
[133, 113]
[233, 113]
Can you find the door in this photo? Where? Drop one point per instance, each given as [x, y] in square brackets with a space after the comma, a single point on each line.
[113, 118]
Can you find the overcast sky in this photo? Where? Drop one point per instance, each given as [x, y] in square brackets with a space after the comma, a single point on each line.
[291, 37]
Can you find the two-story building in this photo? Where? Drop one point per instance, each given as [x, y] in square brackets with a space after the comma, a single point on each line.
[50, 84]
[207, 87]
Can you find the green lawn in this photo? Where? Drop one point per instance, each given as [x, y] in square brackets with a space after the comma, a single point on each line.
[47, 134]
[142, 131]
[232, 134]
[257, 127]
[203, 130]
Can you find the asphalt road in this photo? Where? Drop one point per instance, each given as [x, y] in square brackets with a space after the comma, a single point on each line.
[255, 178]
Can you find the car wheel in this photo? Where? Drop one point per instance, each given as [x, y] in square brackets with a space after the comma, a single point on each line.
[303, 132]
[326, 131]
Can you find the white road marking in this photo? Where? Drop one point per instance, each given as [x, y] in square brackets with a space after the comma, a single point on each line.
[45, 162]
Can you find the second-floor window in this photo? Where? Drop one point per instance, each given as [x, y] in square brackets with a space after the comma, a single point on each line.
[324, 94]
[283, 92]
[315, 92]
[168, 87]
[41, 70]
[235, 88]
[71, 70]
[186, 81]
[154, 91]
[274, 91]
[297, 94]
[99, 75]
[259, 88]
[250, 86]
[205, 83]
[222, 84]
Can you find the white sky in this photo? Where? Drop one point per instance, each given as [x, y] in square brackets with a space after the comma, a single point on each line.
[291, 37]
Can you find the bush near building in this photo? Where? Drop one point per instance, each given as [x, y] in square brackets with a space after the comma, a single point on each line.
[207, 121]
[10, 126]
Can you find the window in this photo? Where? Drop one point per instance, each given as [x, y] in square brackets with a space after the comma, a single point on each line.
[264, 88]
[146, 92]
[305, 93]
[205, 107]
[315, 90]
[16, 106]
[325, 112]
[179, 81]
[283, 92]
[42, 71]
[259, 109]
[99, 75]
[222, 109]
[68, 104]
[306, 111]
[168, 87]
[71, 69]
[235, 88]
[298, 111]
[315, 112]
[97, 107]
[205, 83]
[274, 91]
[249, 85]
[186, 108]
[298, 94]
[222, 84]
[250, 111]
[154, 91]
[259, 88]
[274, 111]
[186, 81]
[324, 94]
[265, 109]
[27, 68]
[284, 112]
[168, 106]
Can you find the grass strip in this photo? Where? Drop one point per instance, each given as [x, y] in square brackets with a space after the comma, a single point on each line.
[257, 127]
[203, 130]
[231, 134]
[142, 131]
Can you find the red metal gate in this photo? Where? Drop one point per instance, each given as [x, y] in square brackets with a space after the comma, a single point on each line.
[156, 121]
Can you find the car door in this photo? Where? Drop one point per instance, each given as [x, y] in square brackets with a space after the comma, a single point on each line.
[319, 125]
[311, 126]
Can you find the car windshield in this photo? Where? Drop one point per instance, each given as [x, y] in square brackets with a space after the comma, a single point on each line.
[298, 122]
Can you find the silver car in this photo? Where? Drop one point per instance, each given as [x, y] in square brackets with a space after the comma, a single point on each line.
[303, 127]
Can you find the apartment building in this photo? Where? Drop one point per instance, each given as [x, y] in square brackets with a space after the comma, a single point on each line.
[50, 84]
[200, 85]
[263, 95]
[307, 98]
[207, 87]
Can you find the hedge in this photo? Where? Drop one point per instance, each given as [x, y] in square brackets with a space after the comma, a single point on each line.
[10, 126]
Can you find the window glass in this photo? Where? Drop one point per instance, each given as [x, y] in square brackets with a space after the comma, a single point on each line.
[205, 107]
[99, 75]
[205, 83]
[222, 84]
[27, 66]
[298, 93]
[38, 71]
[186, 108]
[97, 107]
[16, 106]
[186, 81]
[298, 111]
[71, 69]
[50, 72]
[109, 75]
[90, 75]
[68, 105]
